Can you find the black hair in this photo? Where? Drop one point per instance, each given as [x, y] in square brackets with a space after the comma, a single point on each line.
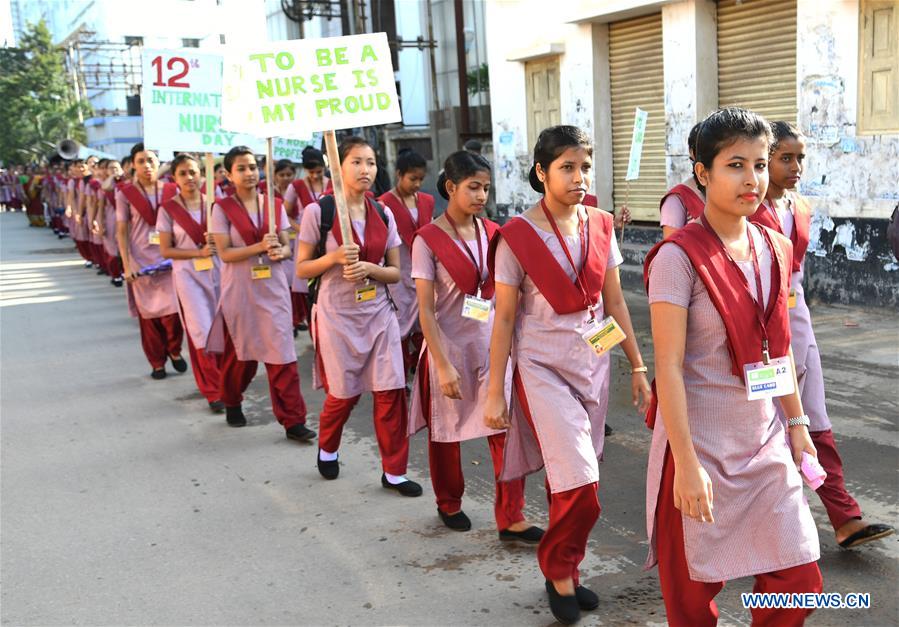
[102, 162]
[691, 138]
[136, 148]
[217, 166]
[284, 164]
[234, 153]
[473, 145]
[348, 144]
[726, 126]
[551, 143]
[407, 159]
[460, 166]
[313, 158]
[77, 161]
[784, 130]
[181, 158]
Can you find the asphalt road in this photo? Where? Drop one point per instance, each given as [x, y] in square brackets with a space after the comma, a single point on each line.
[124, 501]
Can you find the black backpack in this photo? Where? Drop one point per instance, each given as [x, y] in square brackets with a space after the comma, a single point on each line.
[328, 209]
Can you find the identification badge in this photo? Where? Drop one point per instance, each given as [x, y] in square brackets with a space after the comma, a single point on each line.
[769, 381]
[262, 272]
[202, 264]
[791, 301]
[602, 336]
[292, 234]
[365, 294]
[154, 238]
[476, 308]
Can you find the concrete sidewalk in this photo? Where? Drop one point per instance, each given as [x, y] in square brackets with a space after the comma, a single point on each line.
[125, 502]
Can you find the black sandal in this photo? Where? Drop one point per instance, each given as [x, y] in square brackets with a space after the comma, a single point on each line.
[868, 534]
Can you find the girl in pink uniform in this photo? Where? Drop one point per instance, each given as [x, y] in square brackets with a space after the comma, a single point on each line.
[255, 300]
[786, 212]
[411, 209]
[184, 238]
[153, 295]
[106, 220]
[357, 337]
[724, 496]
[556, 275]
[685, 201]
[449, 265]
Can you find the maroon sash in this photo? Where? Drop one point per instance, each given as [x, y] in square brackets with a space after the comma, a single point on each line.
[329, 190]
[94, 184]
[375, 246]
[180, 215]
[238, 216]
[590, 201]
[562, 293]
[456, 262]
[802, 218]
[405, 225]
[692, 203]
[140, 203]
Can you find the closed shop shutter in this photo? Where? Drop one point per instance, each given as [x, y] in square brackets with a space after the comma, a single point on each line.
[636, 80]
[757, 57]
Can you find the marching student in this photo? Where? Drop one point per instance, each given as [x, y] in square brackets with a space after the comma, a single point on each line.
[106, 220]
[355, 330]
[255, 302]
[721, 467]
[184, 238]
[788, 213]
[223, 187]
[685, 201]
[455, 292]
[411, 209]
[153, 295]
[556, 273]
[74, 210]
[285, 173]
[93, 197]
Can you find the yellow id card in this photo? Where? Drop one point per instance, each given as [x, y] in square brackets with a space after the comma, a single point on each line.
[476, 308]
[365, 294]
[202, 264]
[604, 335]
[791, 300]
[154, 238]
[262, 272]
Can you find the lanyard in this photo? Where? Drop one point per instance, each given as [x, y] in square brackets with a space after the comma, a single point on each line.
[760, 311]
[315, 196]
[581, 227]
[479, 264]
[258, 224]
[416, 222]
[183, 202]
[155, 204]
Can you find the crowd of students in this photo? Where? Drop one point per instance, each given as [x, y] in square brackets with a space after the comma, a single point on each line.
[473, 330]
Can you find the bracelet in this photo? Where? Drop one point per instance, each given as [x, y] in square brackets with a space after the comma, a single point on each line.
[639, 369]
[799, 421]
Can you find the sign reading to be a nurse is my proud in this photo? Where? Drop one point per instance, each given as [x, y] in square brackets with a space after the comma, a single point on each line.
[182, 98]
[290, 87]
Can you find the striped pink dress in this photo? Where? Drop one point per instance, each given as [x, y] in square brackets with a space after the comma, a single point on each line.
[762, 519]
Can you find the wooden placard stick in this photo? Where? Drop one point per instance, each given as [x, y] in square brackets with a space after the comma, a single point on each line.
[343, 214]
[210, 188]
[627, 195]
[270, 184]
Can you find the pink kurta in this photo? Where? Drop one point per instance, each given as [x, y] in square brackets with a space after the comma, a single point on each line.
[762, 520]
[97, 196]
[403, 293]
[78, 230]
[805, 347]
[198, 290]
[257, 311]
[466, 343]
[109, 219]
[358, 343]
[673, 212]
[566, 383]
[154, 295]
[297, 284]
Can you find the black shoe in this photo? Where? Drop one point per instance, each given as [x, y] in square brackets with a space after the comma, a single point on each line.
[328, 470]
[587, 600]
[531, 535]
[234, 417]
[89, 265]
[300, 433]
[217, 407]
[295, 332]
[564, 608]
[302, 327]
[179, 364]
[609, 430]
[406, 488]
[457, 522]
[158, 374]
[117, 281]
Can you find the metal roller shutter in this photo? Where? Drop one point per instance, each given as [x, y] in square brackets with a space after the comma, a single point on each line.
[757, 57]
[636, 80]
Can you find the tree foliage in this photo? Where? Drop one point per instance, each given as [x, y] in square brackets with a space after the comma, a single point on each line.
[38, 104]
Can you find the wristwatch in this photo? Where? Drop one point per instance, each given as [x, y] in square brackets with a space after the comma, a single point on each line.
[799, 421]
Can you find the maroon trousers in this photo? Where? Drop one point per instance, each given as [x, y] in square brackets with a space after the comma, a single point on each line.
[300, 309]
[84, 249]
[288, 404]
[691, 603]
[114, 265]
[840, 506]
[207, 371]
[98, 256]
[161, 337]
[411, 350]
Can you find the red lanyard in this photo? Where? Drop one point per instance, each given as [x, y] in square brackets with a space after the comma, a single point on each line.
[258, 224]
[478, 264]
[315, 197]
[581, 228]
[760, 310]
[155, 204]
[183, 202]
